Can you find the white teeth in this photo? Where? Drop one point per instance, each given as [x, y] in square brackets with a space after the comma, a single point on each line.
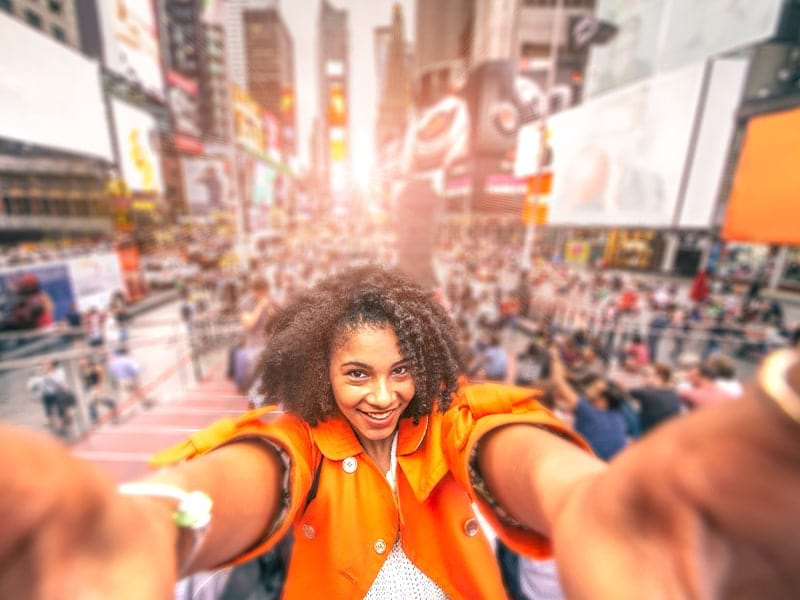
[379, 416]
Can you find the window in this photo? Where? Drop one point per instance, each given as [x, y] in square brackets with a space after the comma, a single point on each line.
[33, 19]
[55, 7]
[58, 33]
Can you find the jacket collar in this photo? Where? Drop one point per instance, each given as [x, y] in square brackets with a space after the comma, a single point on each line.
[336, 439]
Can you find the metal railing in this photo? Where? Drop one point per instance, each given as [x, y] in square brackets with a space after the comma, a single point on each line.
[189, 350]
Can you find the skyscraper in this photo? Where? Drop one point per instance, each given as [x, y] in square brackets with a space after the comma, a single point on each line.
[57, 18]
[395, 95]
[269, 50]
[235, 35]
[443, 46]
[334, 77]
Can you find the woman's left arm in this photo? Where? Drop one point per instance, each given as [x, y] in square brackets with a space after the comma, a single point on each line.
[704, 507]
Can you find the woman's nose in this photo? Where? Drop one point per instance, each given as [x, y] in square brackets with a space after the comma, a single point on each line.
[382, 395]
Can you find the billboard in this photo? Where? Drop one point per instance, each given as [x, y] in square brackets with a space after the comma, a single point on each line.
[137, 137]
[31, 112]
[96, 279]
[263, 184]
[206, 184]
[130, 42]
[763, 206]
[54, 281]
[183, 104]
[725, 86]
[619, 159]
[658, 35]
[247, 121]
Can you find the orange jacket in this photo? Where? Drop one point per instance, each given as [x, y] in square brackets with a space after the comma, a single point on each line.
[345, 534]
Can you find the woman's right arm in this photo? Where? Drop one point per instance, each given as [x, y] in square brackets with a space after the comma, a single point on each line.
[66, 532]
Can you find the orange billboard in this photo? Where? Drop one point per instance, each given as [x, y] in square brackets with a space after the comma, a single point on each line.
[764, 205]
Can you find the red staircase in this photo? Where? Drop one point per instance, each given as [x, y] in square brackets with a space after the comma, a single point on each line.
[122, 449]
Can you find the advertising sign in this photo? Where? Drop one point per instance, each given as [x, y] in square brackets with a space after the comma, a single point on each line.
[42, 82]
[183, 104]
[272, 134]
[263, 184]
[96, 279]
[248, 121]
[577, 253]
[619, 160]
[658, 35]
[206, 184]
[137, 136]
[726, 82]
[763, 206]
[131, 42]
[54, 281]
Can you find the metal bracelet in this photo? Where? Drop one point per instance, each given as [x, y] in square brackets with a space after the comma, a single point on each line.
[773, 378]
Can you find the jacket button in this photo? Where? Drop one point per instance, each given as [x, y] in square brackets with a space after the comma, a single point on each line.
[380, 546]
[308, 532]
[471, 527]
[350, 465]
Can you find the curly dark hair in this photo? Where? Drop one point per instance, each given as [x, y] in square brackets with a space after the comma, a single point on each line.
[302, 335]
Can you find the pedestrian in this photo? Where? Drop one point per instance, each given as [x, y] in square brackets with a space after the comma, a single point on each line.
[95, 328]
[58, 400]
[700, 290]
[94, 384]
[125, 372]
[492, 361]
[121, 316]
[658, 400]
[254, 315]
[397, 448]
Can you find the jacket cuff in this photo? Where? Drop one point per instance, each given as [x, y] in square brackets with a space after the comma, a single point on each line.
[516, 536]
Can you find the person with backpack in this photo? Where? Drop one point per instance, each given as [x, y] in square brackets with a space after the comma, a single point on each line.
[57, 398]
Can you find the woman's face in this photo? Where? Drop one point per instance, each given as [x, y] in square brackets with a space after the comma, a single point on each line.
[371, 380]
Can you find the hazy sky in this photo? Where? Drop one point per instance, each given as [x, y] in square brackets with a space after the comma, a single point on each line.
[301, 16]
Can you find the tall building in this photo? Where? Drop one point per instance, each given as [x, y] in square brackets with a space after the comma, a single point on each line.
[536, 28]
[395, 94]
[54, 155]
[215, 95]
[235, 35]
[56, 18]
[269, 50]
[334, 77]
[382, 39]
[494, 30]
[443, 46]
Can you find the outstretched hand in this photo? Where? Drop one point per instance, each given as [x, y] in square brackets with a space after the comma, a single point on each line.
[66, 533]
[705, 507]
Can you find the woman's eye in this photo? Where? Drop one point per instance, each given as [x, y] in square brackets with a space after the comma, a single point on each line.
[356, 374]
[401, 371]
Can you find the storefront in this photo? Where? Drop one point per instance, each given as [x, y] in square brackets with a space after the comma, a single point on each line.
[634, 249]
[790, 278]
